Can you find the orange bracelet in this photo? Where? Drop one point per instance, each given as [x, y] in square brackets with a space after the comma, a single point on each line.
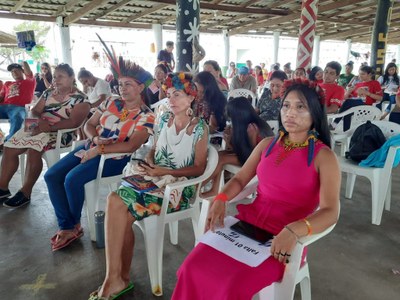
[309, 228]
[221, 196]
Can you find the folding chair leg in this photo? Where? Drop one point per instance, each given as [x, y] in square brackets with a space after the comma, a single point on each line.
[350, 181]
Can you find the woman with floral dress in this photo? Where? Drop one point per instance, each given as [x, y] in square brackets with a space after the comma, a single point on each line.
[61, 107]
[180, 151]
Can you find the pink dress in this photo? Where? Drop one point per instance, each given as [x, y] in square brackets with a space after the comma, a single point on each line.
[287, 191]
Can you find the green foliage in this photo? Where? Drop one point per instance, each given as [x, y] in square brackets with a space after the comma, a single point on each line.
[38, 53]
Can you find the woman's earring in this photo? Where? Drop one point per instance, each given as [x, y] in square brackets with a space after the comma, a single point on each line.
[189, 112]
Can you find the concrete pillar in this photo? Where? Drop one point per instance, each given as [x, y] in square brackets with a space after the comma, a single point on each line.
[348, 42]
[66, 56]
[227, 50]
[379, 34]
[315, 54]
[398, 55]
[309, 10]
[276, 46]
[187, 29]
[158, 36]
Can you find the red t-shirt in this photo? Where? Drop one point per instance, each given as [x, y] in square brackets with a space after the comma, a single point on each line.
[334, 94]
[224, 81]
[19, 92]
[373, 86]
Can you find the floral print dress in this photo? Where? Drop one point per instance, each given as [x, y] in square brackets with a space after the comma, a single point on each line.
[173, 151]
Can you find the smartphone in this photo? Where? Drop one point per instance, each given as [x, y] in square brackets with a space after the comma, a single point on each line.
[251, 231]
[142, 162]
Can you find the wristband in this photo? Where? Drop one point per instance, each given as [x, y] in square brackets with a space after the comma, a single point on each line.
[291, 230]
[309, 228]
[221, 196]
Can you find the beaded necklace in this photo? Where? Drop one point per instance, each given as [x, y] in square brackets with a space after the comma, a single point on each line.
[289, 147]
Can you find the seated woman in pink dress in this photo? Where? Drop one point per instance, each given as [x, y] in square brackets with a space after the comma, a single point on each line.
[297, 173]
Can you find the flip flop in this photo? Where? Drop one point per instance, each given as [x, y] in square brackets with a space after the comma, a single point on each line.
[95, 295]
[54, 237]
[76, 235]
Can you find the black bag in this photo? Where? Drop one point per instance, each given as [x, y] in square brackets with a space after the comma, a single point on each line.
[366, 139]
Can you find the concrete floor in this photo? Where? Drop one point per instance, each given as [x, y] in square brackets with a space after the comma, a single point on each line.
[354, 262]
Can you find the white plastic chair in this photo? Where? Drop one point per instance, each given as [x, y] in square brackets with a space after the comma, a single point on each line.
[274, 124]
[92, 190]
[295, 272]
[153, 227]
[360, 114]
[51, 156]
[243, 93]
[380, 178]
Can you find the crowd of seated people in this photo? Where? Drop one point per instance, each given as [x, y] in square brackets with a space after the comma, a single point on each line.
[297, 99]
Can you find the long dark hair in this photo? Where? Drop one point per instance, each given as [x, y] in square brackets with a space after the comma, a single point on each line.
[213, 96]
[386, 75]
[316, 108]
[240, 111]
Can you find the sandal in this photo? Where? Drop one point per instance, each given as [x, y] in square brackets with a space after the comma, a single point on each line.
[76, 234]
[54, 237]
[95, 295]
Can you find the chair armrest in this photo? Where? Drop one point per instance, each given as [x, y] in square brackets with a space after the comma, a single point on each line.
[60, 133]
[247, 191]
[307, 240]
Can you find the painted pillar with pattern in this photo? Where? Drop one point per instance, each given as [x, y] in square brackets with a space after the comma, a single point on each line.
[187, 29]
[379, 35]
[309, 10]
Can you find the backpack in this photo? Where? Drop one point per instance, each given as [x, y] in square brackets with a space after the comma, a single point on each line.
[366, 139]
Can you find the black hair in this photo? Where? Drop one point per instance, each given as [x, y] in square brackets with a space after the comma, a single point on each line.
[242, 114]
[162, 67]
[302, 69]
[215, 66]
[313, 72]
[83, 73]
[334, 65]
[215, 99]
[350, 63]
[386, 75]
[65, 68]
[368, 70]
[287, 65]
[276, 67]
[316, 108]
[169, 43]
[259, 67]
[278, 74]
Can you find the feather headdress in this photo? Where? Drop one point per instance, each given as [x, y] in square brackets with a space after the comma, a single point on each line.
[125, 68]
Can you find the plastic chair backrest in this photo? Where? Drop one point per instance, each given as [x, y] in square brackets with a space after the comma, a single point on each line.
[389, 129]
[243, 93]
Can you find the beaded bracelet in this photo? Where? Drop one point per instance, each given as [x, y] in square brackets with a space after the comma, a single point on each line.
[294, 233]
[309, 228]
[221, 196]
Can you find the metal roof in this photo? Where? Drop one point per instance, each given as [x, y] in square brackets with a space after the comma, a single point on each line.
[337, 19]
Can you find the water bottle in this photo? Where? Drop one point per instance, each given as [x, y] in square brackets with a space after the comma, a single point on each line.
[99, 228]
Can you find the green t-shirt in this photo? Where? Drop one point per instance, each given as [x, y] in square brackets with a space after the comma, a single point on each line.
[344, 79]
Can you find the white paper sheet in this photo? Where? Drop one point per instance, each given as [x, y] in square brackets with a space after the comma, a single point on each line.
[237, 246]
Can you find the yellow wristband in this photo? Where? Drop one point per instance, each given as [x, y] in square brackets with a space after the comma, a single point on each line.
[309, 228]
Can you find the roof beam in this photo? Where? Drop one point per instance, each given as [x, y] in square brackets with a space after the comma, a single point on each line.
[343, 21]
[347, 33]
[18, 6]
[145, 12]
[295, 15]
[111, 9]
[279, 3]
[232, 8]
[63, 9]
[92, 5]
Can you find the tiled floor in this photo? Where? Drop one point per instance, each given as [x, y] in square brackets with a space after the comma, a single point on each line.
[354, 262]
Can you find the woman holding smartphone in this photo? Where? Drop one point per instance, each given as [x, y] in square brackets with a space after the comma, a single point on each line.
[298, 173]
[180, 150]
[117, 126]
